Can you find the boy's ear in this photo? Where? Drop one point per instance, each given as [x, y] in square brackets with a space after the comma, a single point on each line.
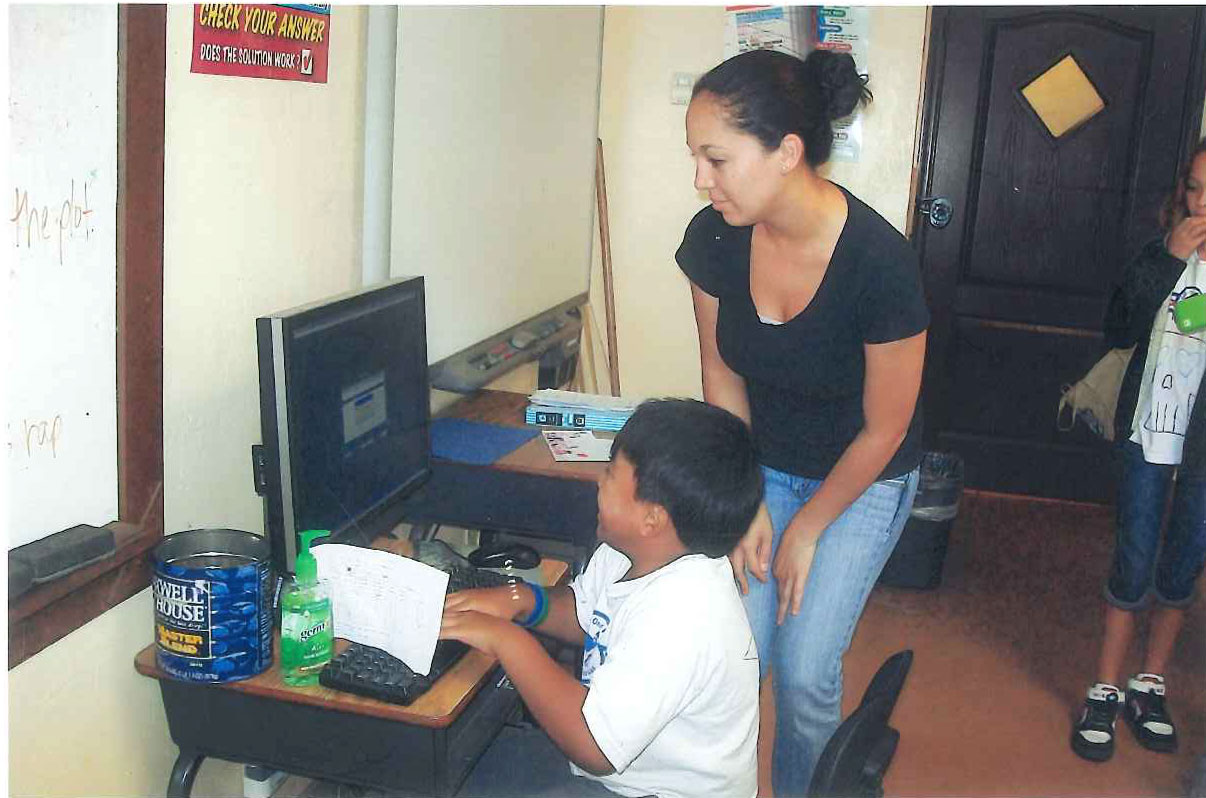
[655, 520]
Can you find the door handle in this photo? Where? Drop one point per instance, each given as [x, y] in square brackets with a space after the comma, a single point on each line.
[937, 210]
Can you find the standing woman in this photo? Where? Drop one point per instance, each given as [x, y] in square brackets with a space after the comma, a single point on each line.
[812, 325]
[1161, 434]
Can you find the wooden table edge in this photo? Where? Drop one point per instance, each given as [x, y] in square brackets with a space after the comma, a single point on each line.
[465, 679]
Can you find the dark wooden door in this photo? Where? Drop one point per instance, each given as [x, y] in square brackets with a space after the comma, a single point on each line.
[1042, 224]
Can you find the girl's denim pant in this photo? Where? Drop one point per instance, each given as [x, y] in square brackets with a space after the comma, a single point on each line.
[805, 653]
[1145, 566]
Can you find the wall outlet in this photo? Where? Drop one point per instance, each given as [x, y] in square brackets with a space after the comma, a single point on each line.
[681, 84]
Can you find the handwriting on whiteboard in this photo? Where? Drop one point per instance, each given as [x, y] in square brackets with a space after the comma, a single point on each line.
[38, 224]
[43, 436]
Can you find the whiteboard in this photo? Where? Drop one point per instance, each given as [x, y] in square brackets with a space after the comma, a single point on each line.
[61, 388]
[495, 122]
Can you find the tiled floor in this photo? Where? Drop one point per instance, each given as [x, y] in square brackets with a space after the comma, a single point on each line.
[1004, 650]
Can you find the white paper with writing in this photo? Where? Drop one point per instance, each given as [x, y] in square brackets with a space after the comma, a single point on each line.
[384, 600]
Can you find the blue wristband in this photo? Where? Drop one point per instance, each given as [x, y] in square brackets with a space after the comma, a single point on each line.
[540, 610]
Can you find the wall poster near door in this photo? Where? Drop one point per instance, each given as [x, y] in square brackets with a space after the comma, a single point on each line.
[798, 30]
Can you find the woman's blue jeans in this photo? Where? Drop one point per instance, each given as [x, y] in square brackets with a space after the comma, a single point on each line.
[1147, 564]
[805, 653]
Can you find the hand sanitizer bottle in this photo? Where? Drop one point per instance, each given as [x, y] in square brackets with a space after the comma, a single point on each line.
[307, 637]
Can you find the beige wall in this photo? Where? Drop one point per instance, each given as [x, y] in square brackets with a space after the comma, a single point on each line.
[649, 176]
[261, 212]
[81, 722]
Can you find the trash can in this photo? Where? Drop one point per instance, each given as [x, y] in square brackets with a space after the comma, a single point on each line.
[919, 554]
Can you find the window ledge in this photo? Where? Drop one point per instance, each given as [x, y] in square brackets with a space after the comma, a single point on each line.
[50, 611]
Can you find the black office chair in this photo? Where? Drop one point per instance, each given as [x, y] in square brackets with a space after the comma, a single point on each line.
[857, 756]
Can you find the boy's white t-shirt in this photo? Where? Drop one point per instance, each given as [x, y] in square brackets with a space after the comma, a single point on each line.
[1171, 375]
[672, 675]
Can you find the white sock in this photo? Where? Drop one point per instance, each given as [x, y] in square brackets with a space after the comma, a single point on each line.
[1151, 683]
[1146, 683]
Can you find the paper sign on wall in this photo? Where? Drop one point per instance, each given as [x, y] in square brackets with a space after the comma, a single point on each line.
[797, 30]
[281, 42]
[843, 29]
[783, 28]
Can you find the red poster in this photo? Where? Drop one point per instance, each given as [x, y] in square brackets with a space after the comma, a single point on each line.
[282, 42]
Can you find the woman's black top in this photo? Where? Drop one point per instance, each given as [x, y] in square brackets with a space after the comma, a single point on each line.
[804, 377]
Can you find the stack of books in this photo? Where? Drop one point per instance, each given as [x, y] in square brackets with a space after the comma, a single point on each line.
[554, 408]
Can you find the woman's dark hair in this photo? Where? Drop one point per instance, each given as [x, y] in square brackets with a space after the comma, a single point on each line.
[1172, 212]
[770, 94]
[697, 461]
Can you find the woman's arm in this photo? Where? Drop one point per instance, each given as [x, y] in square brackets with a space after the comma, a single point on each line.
[891, 386]
[722, 386]
[725, 388]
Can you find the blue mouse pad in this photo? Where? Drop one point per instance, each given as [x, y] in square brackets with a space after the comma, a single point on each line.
[475, 441]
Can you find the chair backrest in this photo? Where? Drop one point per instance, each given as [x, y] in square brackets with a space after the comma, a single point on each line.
[858, 754]
[890, 677]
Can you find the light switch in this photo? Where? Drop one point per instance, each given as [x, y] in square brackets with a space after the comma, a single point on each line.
[680, 87]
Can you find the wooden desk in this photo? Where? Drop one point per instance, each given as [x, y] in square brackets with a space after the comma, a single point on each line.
[427, 747]
[506, 409]
[526, 492]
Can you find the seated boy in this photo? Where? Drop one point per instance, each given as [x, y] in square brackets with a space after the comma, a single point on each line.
[668, 700]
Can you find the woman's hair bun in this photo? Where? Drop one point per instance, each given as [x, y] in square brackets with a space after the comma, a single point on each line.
[841, 87]
[770, 94]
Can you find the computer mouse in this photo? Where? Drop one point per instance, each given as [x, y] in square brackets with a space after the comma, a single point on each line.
[506, 555]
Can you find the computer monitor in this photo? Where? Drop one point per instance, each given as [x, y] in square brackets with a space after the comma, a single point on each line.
[343, 414]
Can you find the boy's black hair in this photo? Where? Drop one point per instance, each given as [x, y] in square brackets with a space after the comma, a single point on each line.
[698, 461]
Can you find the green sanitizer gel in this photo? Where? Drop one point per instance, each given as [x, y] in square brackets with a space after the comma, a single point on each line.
[307, 636]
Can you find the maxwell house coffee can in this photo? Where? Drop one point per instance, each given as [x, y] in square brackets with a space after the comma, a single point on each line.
[212, 590]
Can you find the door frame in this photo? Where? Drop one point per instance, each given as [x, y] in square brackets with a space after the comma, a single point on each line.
[931, 102]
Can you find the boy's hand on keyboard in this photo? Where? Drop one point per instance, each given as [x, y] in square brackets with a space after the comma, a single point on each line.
[481, 631]
[508, 602]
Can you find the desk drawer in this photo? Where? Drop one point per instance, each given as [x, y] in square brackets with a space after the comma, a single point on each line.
[479, 723]
[302, 739]
[336, 746]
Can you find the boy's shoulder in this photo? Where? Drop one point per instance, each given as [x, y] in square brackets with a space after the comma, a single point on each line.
[685, 585]
[607, 563]
[697, 586]
[690, 573]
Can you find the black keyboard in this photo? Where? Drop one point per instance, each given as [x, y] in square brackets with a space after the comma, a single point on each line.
[371, 672]
[468, 578]
[462, 575]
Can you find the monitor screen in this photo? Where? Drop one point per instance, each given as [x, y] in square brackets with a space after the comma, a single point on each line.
[343, 413]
